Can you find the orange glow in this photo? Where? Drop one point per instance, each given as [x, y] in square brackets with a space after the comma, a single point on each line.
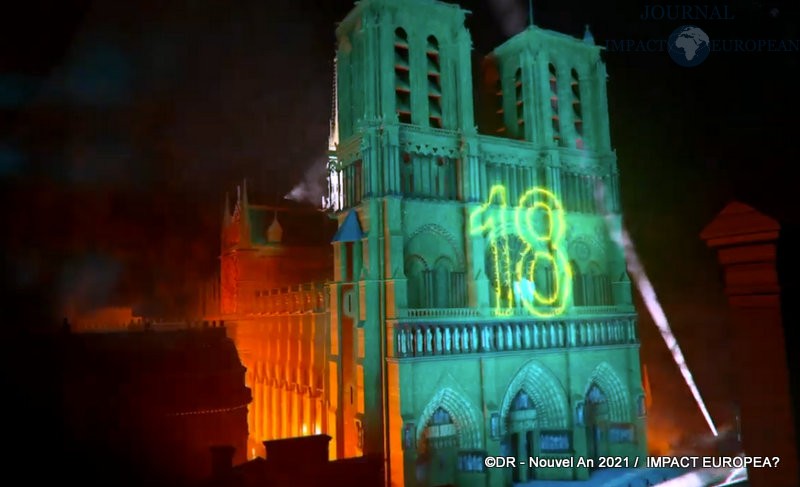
[103, 319]
[648, 395]
[660, 443]
[273, 299]
[662, 435]
[280, 409]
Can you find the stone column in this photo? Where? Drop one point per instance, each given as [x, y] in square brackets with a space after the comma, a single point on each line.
[543, 82]
[466, 120]
[745, 241]
[477, 280]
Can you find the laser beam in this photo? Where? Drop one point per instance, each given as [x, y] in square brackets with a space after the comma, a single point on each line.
[648, 293]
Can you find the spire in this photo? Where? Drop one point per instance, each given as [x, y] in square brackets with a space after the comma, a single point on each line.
[226, 215]
[275, 231]
[588, 38]
[530, 13]
[245, 205]
[333, 134]
[244, 213]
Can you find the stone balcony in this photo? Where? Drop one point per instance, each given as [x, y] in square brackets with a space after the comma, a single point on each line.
[469, 333]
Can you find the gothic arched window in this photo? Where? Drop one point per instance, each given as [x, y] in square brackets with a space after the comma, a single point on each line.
[434, 75]
[402, 75]
[415, 275]
[519, 101]
[554, 104]
[576, 108]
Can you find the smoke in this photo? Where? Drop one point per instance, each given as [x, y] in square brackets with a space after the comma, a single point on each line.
[88, 283]
[512, 15]
[313, 188]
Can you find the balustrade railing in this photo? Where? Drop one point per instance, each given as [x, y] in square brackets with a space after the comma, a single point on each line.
[520, 312]
[306, 298]
[431, 339]
[439, 313]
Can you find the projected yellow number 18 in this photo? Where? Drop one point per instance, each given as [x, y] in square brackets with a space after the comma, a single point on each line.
[538, 222]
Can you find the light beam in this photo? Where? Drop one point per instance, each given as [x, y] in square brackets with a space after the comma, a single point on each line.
[648, 293]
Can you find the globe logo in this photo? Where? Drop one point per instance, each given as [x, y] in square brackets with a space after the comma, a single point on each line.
[688, 46]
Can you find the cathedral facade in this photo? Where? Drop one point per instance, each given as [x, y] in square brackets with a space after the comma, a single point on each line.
[476, 302]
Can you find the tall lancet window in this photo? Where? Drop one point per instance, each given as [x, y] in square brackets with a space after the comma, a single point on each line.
[576, 109]
[499, 111]
[554, 104]
[520, 113]
[402, 76]
[434, 83]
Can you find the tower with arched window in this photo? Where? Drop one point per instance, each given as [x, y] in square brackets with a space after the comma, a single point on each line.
[480, 304]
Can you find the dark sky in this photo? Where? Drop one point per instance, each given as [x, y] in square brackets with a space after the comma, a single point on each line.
[123, 123]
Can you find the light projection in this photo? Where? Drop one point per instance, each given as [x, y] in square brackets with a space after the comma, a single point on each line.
[538, 222]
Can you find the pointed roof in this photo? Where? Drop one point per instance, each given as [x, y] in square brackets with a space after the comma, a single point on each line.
[275, 231]
[333, 135]
[587, 36]
[740, 223]
[226, 215]
[350, 230]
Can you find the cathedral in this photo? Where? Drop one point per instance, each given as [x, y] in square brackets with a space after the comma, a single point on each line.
[466, 296]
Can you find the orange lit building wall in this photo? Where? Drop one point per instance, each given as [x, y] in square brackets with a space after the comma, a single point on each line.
[282, 347]
[278, 321]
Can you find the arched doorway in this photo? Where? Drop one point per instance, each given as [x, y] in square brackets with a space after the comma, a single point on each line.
[597, 423]
[439, 450]
[522, 423]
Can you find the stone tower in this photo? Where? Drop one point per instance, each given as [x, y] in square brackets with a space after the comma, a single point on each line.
[480, 303]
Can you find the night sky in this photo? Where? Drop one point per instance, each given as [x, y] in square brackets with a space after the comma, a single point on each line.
[123, 123]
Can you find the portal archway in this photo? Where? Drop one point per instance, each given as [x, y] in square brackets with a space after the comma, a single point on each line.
[606, 404]
[544, 390]
[448, 424]
[534, 401]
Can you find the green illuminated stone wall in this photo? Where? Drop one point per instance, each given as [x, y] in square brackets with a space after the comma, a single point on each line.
[443, 373]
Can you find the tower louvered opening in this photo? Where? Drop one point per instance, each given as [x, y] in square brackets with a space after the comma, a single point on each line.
[520, 113]
[402, 73]
[576, 109]
[554, 105]
[434, 83]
